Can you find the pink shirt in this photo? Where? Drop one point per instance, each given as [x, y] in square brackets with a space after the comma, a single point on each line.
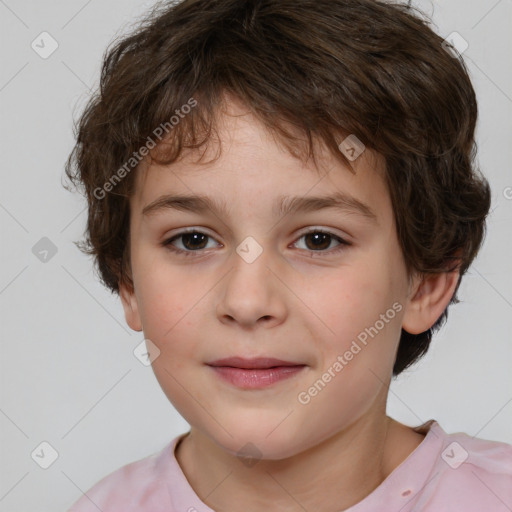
[445, 473]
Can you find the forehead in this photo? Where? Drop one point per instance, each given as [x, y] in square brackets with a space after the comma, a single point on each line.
[243, 161]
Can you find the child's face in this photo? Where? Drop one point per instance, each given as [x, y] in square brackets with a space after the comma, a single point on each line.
[300, 300]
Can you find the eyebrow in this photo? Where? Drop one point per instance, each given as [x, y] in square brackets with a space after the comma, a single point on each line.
[284, 205]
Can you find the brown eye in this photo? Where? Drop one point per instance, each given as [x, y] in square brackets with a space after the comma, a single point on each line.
[317, 240]
[320, 241]
[194, 240]
[191, 242]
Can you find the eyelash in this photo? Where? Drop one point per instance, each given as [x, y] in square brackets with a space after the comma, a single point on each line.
[180, 252]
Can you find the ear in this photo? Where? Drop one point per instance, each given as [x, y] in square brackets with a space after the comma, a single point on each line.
[130, 306]
[429, 297]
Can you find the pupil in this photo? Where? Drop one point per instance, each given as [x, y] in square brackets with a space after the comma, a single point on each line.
[187, 237]
[322, 237]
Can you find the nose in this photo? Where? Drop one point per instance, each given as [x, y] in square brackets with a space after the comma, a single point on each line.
[253, 292]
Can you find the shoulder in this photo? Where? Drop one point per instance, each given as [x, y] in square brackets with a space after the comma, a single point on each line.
[139, 486]
[471, 473]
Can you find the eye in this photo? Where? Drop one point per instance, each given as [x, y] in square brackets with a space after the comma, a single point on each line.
[193, 241]
[318, 240]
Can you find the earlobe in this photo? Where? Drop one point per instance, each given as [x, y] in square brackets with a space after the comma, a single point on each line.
[430, 296]
[130, 306]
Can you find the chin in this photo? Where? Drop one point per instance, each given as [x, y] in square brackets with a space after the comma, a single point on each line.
[259, 440]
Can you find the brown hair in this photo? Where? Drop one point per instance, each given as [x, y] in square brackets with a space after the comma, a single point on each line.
[370, 68]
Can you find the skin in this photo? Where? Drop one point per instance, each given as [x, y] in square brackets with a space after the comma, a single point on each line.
[293, 302]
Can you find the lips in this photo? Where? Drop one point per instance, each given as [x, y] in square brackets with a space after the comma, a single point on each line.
[256, 373]
[255, 363]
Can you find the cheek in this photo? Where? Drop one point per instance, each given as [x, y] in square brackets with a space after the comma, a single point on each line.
[351, 300]
[165, 300]
[169, 311]
[361, 319]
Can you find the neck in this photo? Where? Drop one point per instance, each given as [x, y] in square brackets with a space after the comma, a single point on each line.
[331, 476]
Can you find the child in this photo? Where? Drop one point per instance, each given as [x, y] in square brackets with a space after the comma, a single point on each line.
[260, 130]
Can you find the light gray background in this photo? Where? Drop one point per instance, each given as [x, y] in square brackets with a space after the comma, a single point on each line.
[69, 376]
